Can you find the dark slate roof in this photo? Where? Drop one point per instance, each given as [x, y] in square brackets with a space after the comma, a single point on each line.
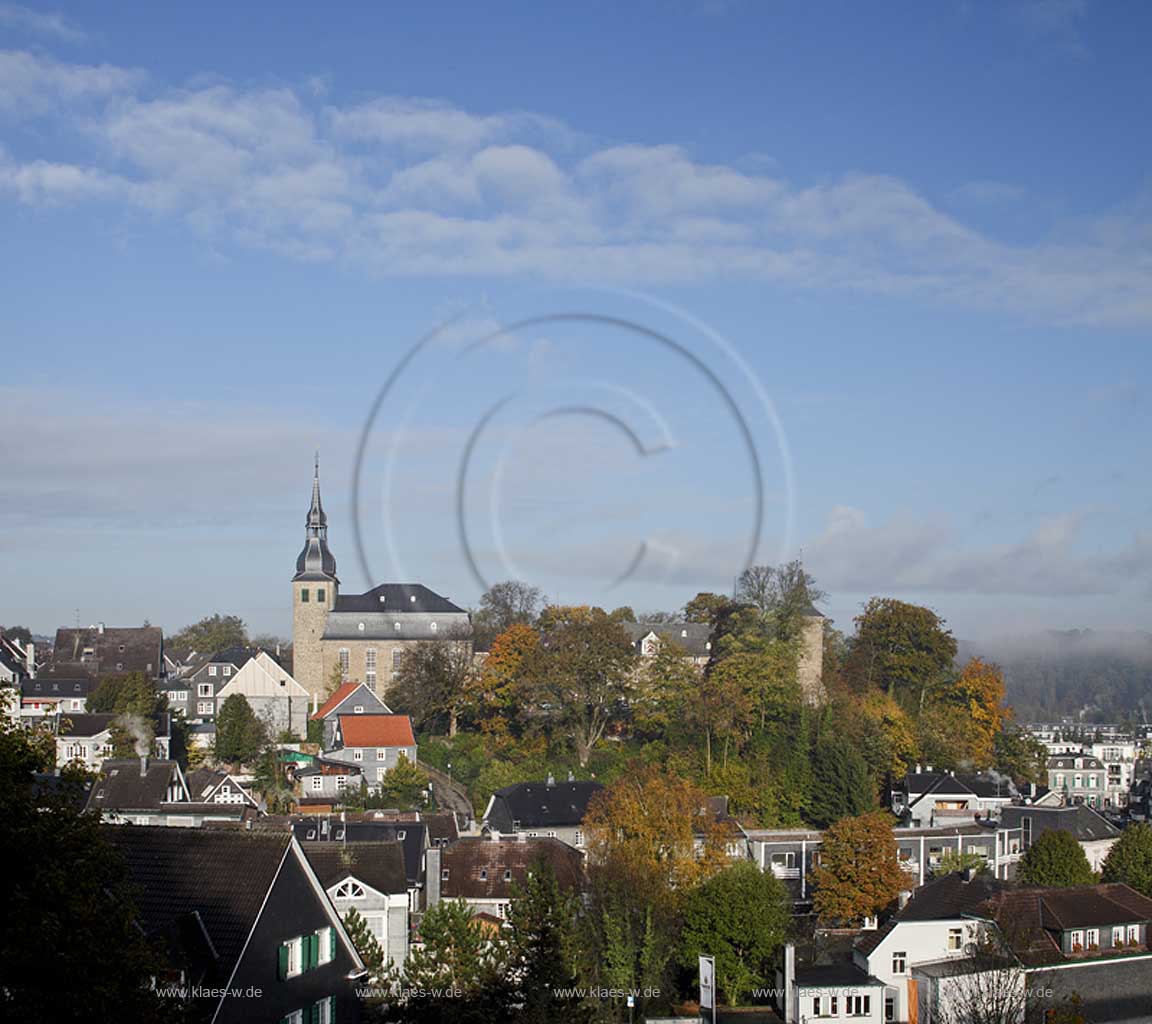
[414, 841]
[396, 597]
[921, 783]
[537, 805]
[1032, 919]
[380, 865]
[841, 975]
[56, 686]
[121, 786]
[442, 828]
[223, 876]
[83, 724]
[938, 900]
[694, 637]
[143, 646]
[1079, 819]
[476, 867]
[237, 657]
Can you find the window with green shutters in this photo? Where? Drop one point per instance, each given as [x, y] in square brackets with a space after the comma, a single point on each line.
[282, 972]
[326, 937]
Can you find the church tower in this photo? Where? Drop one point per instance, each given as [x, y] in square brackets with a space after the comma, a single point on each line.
[313, 595]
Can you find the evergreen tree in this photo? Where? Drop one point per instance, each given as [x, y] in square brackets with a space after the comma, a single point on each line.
[365, 943]
[240, 735]
[1055, 858]
[1130, 859]
[741, 917]
[541, 948]
[841, 784]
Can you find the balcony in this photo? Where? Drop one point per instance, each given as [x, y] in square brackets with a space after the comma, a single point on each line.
[784, 873]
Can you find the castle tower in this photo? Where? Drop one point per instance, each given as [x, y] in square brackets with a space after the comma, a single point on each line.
[810, 670]
[314, 590]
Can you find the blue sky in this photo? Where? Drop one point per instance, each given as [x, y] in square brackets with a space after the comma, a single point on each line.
[900, 255]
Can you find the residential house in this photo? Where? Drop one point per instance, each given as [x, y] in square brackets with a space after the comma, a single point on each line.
[370, 878]
[240, 913]
[1079, 778]
[932, 924]
[87, 738]
[549, 809]
[693, 638]
[1088, 943]
[195, 688]
[1119, 758]
[327, 783]
[410, 836]
[792, 855]
[1095, 835]
[828, 991]
[84, 739]
[483, 873]
[271, 691]
[145, 791]
[99, 652]
[51, 695]
[373, 743]
[350, 698]
[924, 798]
[215, 787]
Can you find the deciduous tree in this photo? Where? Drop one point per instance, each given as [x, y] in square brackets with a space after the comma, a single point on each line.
[858, 873]
[583, 675]
[509, 603]
[434, 680]
[741, 917]
[211, 634]
[901, 648]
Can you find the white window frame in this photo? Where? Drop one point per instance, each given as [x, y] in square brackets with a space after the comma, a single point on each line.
[349, 889]
[204, 707]
[324, 953]
[341, 781]
[295, 958]
[206, 690]
[859, 1006]
[357, 754]
[211, 672]
[317, 783]
[227, 670]
[1133, 933]
[1117, 934]
[345, 658]
[1076, 939]
[899, 962]
[381, 754]
[955, 940]
[1091, 937]
[358, 709]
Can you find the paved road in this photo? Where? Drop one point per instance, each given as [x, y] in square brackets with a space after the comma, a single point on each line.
[449, 794]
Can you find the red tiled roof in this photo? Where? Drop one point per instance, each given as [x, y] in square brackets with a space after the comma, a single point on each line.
[342, 693]
[377, 731]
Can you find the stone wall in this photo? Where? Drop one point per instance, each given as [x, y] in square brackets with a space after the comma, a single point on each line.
[810, 669]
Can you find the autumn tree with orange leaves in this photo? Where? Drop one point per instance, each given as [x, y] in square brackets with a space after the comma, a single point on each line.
[859, 873]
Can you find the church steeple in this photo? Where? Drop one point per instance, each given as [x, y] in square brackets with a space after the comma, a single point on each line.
[315, 561]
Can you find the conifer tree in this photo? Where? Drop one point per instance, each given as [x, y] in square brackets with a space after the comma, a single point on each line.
[1130, 860]
[365, 943]
[1055, 858]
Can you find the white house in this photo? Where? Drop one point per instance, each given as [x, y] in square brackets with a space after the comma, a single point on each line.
[273, 694]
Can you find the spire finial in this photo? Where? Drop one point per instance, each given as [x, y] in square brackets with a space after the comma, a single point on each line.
[316, 469]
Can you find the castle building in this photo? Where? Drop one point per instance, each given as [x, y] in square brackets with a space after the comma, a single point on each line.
[364, 634]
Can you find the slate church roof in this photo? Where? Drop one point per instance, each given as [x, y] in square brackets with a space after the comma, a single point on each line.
[380, 865]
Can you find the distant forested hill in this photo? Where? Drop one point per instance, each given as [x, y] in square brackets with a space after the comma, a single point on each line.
[1063, 672]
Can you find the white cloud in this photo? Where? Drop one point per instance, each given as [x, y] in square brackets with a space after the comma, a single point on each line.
[411, 187]
[32, 84]
[927, 556]
[21, 18]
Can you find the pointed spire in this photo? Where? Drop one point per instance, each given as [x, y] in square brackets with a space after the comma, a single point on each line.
[316, 561]
[316, 521]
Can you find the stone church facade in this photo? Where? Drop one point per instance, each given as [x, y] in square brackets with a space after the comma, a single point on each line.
[364, 634]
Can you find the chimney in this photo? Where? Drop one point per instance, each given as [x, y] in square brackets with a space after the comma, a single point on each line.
[927, 767]
[789, 981]
[918, 769]
[143, 765]
[30, 658]
[431, 877]
[315, 703]
[100, 628]
[969, 874]
[551, 780]
[571, 776]
[903, 899]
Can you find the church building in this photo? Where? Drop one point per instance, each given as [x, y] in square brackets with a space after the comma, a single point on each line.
[364, 634]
